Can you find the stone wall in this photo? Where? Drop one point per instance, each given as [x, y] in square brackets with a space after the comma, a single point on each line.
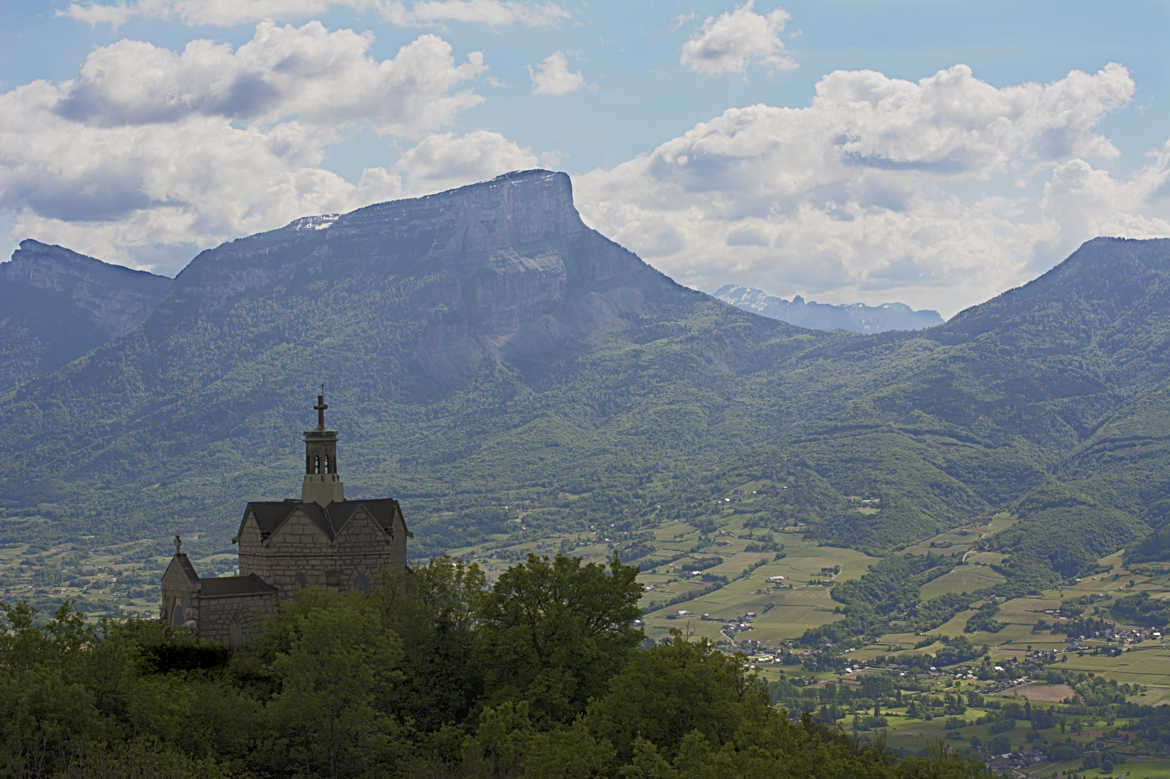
[298, 553]
[179, 591]
[235, 620]
[364, 548]
[249, 546]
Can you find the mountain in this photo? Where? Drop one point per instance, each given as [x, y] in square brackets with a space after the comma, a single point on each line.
[474, 343]
[504, 370]
[57, 304]
[854, 317]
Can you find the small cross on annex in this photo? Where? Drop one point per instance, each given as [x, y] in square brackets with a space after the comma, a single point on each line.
[319, 540]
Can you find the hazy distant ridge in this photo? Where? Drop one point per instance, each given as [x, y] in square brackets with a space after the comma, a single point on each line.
[56, 305]
[854, 317]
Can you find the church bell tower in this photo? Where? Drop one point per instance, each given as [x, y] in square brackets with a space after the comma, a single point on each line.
[322, 483]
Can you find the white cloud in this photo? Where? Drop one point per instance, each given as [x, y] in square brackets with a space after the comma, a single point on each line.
[1080, 200]
[493, 13]
[229, 13]
[553, 77]
[733, 41]
[867, 194]
[97, 13]
[444, 161]
[306, 72]
[126, 193]
[106, 164]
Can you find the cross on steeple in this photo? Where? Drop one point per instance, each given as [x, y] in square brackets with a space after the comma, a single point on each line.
[320, 407]
[322, 481]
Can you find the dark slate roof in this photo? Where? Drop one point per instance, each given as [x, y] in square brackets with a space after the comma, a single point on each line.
[271, 513]
[231, 586]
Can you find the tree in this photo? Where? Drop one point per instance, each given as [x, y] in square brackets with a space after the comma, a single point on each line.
[47, 713]
[340, 665]
[554, 632]
[434, 612]
[675, 689]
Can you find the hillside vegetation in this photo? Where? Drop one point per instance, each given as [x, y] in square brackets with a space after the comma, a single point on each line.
[541, 675]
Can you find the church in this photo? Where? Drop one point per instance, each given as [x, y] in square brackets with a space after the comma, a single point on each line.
[320, 540]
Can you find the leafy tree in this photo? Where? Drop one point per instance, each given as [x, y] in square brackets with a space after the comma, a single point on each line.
[341, 664]
[675, 689]
[555, 631]
[434, 611]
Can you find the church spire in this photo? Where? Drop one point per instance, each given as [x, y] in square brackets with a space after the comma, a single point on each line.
[322, 483]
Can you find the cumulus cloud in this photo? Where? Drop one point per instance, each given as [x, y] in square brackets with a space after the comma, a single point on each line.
[553, 77]
[733, 41]
[1082, 200]
[229, 13]
[866, 193]
[306, 72]
[493, 13]
[149, 155]
[113, 191]
[445, 160]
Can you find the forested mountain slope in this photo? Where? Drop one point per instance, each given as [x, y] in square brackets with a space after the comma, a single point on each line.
[487, 356]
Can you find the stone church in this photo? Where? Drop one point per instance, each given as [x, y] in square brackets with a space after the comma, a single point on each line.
[320, 540]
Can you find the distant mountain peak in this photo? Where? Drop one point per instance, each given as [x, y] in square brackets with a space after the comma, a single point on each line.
[48, 266]
[58, 304]
[853, 317]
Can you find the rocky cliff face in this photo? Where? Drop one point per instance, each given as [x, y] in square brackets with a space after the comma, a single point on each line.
[56, 305]
[504, 269]
[854, 317]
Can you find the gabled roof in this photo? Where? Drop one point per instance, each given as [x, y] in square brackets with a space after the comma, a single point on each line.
[233, 586]
[185, 567]
[271, 514]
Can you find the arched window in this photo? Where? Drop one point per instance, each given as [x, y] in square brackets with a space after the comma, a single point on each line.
[317, 464]
[300, 580]
[235, 635]
[361, 582]
[177, 615]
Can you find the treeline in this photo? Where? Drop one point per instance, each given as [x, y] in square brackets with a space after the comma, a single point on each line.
[435, 675]
[1141, 609]
[888, 592]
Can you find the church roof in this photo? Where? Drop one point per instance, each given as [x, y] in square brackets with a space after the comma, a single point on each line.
[270, 514]
[185, 566]
[231, 586]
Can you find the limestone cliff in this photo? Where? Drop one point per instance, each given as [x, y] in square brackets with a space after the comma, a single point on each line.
[504, 269]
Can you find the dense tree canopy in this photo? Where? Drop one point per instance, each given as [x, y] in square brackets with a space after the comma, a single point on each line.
[435, 673]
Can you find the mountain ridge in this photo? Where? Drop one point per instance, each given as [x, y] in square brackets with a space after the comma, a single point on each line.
[58, 304]
[484, 348]
[852, 317]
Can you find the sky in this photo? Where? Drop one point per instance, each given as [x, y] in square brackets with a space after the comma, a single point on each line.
[930, 152]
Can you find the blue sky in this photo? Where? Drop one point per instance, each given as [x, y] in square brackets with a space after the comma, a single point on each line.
[930, 152]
